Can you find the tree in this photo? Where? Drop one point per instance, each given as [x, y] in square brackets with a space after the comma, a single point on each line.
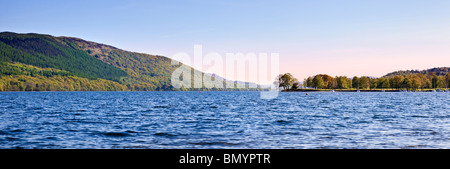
[407, 83]
[434, 81]
[382, 83]
[385, 84]
[416, 83]
[442, 82]
[355, 82]
[327, 81]
[285, 81]
[447, 79]
[309, 82]
[28, 86]
[296, 85]
[397, 81]
[364, 82]
[334, 84]
[438, 81]
[428, 84]
[423, 80]
[373, 83]
[343, 82]
[318, 82]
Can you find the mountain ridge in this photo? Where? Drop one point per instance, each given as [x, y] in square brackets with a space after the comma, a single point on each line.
[85, 60]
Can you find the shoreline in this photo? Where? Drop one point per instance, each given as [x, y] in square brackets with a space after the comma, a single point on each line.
[352, 90]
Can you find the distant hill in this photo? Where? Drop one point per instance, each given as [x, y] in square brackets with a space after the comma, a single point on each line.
[440, 71]
[149, 72]
[48, 52]
[33, 62]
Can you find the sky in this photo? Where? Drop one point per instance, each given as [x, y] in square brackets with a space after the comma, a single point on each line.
[335, 37]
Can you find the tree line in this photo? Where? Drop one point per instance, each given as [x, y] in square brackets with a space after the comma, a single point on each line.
[410, 82]
[23, 77]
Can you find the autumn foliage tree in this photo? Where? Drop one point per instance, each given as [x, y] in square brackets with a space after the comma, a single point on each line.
[399, 82]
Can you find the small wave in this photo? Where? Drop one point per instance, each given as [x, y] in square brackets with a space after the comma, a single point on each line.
[213, 107]
[47, 123]
[291, 133]
[115, 134]
[35, 108]
[18, 131]
[415, 146]
[283, 122]
[384, 117]
[165, 134]
[146, 125]
[130, 131]
[362, 122]
[12, 139]
[133, 147]
[216, 143]
[147, 110]
[419, 116]
[52, 138]
[161, 106]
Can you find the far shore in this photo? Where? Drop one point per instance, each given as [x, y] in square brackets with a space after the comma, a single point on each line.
[365, 90]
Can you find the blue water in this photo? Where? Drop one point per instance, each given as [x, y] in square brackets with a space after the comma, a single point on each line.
[223, 120]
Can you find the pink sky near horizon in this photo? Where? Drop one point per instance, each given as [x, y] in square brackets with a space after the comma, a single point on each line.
[365, 61]
[349, 62]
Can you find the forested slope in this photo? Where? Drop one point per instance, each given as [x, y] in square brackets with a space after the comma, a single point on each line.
[44, 62]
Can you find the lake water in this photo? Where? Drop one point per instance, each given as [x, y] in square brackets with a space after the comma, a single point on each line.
[227, 120]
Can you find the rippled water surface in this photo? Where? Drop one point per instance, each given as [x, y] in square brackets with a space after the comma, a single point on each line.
[223, 120]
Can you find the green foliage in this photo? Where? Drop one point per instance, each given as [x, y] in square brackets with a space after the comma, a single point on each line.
[382, 83]
[435, 81]
[308, 82]
[145, 72]
[447, 80]
[45, 56]
[416, 83]
[343, 82]
[155, 71]
[364, 82]
[295, 86]
[397, 81]
[355, 82]
[57, 83]
[406, 82]
[285, 81]
[46, 52]
[440, 71]
[318, 82]
[23, 69]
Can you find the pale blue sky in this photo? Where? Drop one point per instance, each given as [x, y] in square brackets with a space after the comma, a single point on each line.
[338, 37]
